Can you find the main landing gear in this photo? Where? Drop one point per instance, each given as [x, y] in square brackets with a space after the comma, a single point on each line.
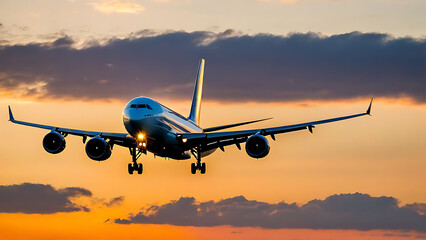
[199, 165]
[136, 153]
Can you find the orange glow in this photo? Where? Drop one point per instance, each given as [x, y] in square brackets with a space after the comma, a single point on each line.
[93, 226]
[378, 155]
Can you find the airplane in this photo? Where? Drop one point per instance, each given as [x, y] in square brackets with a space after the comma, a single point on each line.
[153, 127]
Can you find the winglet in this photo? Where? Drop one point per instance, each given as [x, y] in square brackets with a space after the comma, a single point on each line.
[11, 118]
[369, 108]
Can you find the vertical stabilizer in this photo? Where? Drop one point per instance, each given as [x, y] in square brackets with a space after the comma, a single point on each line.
[194, 115]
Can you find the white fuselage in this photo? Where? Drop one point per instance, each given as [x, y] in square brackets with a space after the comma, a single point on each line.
[159, 125]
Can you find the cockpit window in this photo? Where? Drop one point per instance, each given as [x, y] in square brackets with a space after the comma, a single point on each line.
[141, 106]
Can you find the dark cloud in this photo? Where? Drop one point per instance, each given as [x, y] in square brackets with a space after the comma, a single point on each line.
[419, 207]
[239, 67]
[344, 211]
[39, 198]
[32, 198]
[114, 201]
[65, 41]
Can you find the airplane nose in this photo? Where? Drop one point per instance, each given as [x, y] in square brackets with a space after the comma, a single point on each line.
[136, 124]
[133, 121]
[135, 115]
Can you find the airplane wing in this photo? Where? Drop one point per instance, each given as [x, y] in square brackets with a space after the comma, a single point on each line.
[122, 139]
[209, 141]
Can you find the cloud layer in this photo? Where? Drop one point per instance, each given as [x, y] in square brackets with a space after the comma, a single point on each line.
[33, 198]
[239, 67]
[344, 211]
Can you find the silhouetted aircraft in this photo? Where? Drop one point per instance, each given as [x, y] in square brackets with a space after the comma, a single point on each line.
[155, 128]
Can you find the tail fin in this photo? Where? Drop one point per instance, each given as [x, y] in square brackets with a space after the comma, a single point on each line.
[194, 115]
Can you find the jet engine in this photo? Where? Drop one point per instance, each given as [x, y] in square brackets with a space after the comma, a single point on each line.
[98, 149]
[54, 142]
[257, 146]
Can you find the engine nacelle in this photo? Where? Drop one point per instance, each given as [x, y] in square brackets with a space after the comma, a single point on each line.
[98, 149]
[54, 142]
[257, 146]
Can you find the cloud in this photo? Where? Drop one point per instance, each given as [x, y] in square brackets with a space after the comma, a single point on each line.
[39, 198]
[114, 201]
[344, 211]
[117, 6]
[65, 41]
[239, 67]
[419, 207]
[33, 198]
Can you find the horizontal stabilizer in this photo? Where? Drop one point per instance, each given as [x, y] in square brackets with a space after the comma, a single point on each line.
[212, 129]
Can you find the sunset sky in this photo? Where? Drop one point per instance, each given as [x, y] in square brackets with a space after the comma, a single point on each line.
[76, 63]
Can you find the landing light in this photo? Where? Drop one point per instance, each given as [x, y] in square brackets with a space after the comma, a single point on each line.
[140, 144]
[144, 144]
[140, 136]
[184, 140]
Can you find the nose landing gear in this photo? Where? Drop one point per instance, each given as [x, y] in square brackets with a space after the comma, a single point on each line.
[135, 167]
[136, 153]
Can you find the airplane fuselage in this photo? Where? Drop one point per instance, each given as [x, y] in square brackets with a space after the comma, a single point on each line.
[159, 125]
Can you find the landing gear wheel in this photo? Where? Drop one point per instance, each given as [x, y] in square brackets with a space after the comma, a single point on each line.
[193, 168]
[140, 168]
[198, 166]
[130, 168]
[203, 168]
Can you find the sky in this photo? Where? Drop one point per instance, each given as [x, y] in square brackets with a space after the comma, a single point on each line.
[76, 63]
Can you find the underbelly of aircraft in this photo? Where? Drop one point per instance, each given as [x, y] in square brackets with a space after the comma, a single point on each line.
[161, 137]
